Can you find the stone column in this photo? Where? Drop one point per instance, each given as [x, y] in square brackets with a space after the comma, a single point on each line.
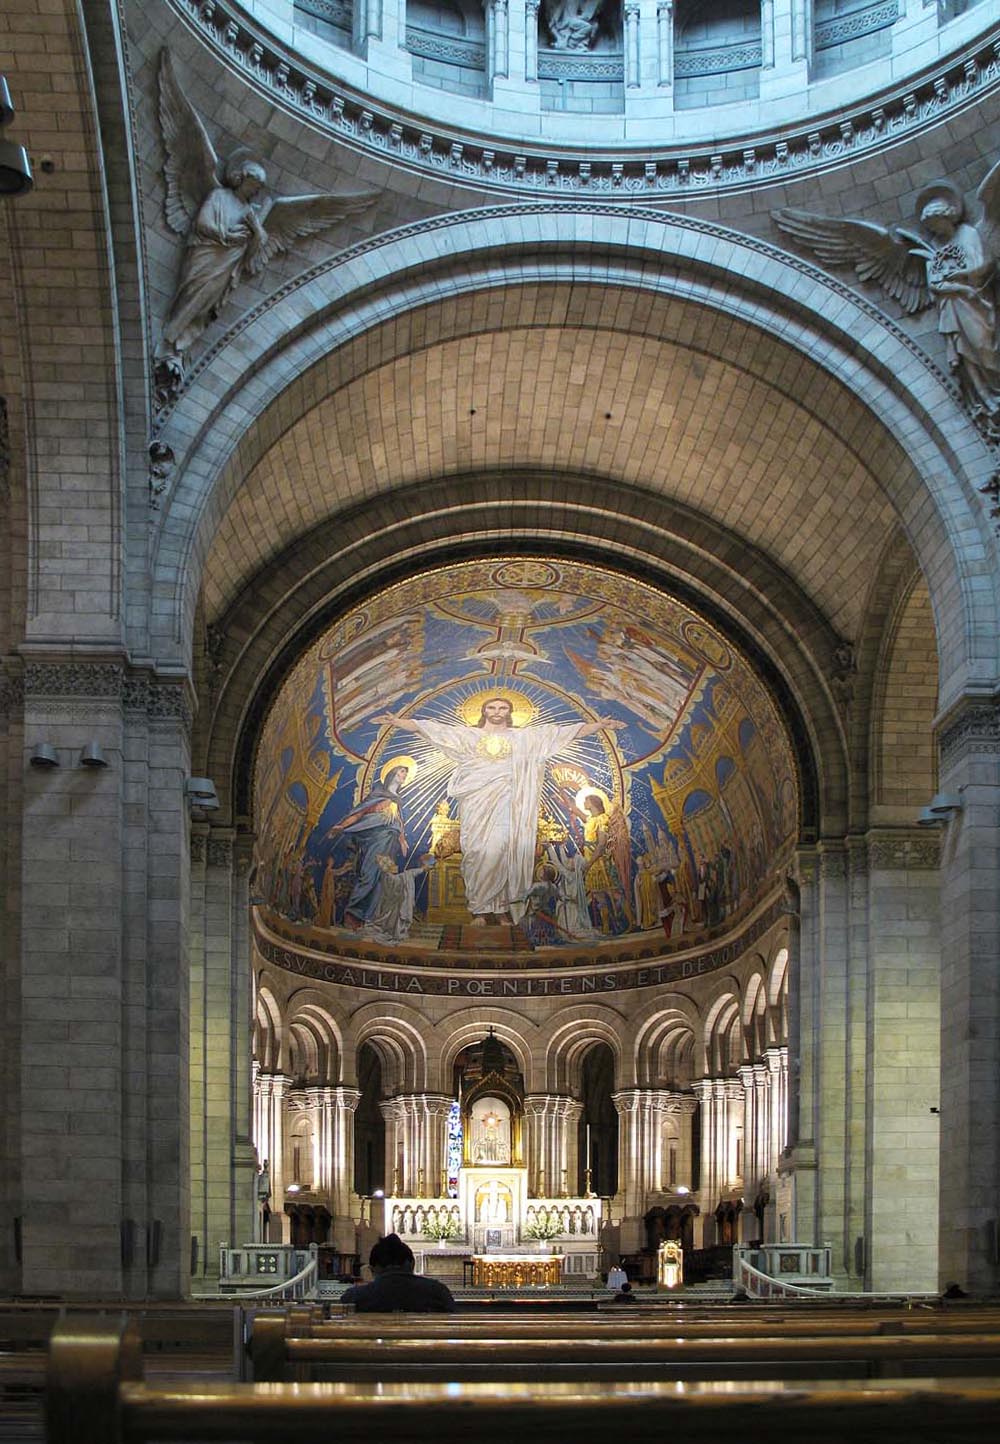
[785, 33]
[776, 1062]
[903, 1036]
[721, 1102]
[332, 1109]
[380, 35]
[551, 1152]
[223, 1160]
[417, 1148]
[755, 1078]
[271, 1090]
[970, 998]
[633, 74]
[497, 46]
[665, 44]
[531, 40]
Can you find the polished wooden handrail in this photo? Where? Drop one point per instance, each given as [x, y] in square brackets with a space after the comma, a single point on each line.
[96, 1396]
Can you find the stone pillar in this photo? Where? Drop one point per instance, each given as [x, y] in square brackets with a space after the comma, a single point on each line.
[755, 1078]
[531, 40]
[416, 1142]
[642, 1162]
[969, 740]
[721, 1102]
[776, 1062]
[380, 35]
[785, 33]
[223, 1160]
[271, 1091]
[497, 45]
[665, 44]
[903, 1038]
[97, 1019]
[633, 73]
[332, 1111]
[551, 1152]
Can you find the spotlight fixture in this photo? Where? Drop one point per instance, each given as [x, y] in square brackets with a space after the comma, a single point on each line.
[201, 793]
[939, 811]
[92, 756]
[43, 754]
[15, 168]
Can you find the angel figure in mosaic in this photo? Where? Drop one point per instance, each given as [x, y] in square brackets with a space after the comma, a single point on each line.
[231, 232]
[956, 270]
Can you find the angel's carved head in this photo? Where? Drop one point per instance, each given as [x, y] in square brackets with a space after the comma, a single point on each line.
[245, 177]
[940, 217]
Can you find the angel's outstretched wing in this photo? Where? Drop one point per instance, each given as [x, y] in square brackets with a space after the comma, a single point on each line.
[291, 217]
[989, 198]
[190, 169]
[895, 258]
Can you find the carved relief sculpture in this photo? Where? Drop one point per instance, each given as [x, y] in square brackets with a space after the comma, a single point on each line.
[231, 233]
[956, 270]
[572, 24]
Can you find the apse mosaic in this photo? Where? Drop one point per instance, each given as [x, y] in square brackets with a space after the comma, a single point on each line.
[519, 757]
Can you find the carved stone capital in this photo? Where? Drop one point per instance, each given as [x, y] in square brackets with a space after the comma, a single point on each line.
[973, 727]
[904, 851]
[220, 850]
[73, 679]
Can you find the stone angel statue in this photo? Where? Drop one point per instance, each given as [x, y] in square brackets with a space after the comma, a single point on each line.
[231, 233]
[956, 269]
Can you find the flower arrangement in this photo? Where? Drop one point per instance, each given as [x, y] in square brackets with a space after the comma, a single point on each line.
[544, 1225]
[443, 1227]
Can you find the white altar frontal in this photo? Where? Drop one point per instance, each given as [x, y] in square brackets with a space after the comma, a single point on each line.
[493, 1202]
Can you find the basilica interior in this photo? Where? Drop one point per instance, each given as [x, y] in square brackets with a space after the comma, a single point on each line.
[501, 637]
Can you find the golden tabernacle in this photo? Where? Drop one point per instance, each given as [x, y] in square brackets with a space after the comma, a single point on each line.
[513, 1271]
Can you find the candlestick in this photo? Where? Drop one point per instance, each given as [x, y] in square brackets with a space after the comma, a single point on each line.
[589, 1159]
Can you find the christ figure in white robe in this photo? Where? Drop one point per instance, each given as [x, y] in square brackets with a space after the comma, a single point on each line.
[496, 782]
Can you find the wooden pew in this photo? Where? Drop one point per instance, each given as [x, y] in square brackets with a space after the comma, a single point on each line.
[97, 1396]
[299, 1345]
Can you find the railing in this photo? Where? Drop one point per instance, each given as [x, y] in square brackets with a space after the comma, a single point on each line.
[300, 1285]
[808, 1262]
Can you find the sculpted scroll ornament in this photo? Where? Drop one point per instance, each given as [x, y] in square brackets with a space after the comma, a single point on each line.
[230, 232]
[956, 270]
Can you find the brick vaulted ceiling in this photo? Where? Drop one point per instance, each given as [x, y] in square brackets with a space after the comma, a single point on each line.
[743, 451]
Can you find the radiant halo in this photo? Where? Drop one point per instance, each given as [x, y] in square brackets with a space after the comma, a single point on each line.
[523, 710]
[389, 767]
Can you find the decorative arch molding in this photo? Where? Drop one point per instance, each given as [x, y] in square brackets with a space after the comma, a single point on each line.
[469, 1026]
[399, 1036]
[571, 1034]
[937, 460]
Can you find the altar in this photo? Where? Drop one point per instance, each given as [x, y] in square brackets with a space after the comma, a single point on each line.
[516, 1271]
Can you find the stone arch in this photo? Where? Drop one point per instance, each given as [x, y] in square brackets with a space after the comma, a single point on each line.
[571, 1034]
[666, 1042]
[309, 1015]
[268, 1030]
[398, 1037]
[827, 326]
[722, 1034]
[469, 1026]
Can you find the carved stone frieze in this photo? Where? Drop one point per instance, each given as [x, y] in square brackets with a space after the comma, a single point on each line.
[832, 864]
[976, 728]
[869, 127]
[912, 854]
[73, 679]
[220, 852]
[159, 698]
[199, 847]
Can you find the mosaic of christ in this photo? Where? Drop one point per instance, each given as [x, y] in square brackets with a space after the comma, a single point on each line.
[519, 756]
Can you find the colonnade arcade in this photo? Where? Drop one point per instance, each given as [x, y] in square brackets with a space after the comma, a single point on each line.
[699, 1093]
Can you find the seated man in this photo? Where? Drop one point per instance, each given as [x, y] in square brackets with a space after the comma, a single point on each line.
[395, 1287]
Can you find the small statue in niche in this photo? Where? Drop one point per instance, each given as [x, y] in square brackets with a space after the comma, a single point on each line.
[230, 232]
[572, 24]
[956, 270]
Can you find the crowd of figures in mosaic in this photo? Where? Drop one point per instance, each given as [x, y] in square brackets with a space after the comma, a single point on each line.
[520, 756]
